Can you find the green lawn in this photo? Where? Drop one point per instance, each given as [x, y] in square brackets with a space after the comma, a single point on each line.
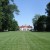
[24, 40]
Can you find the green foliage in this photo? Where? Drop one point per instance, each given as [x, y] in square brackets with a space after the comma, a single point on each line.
[6, 13]
[39, 23]
[42, 23]
[34, 21]
[13, 26]
[48, 16]
[48, 9]
[35, 18]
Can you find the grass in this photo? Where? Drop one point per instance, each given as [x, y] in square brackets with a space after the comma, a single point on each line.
[24, 40]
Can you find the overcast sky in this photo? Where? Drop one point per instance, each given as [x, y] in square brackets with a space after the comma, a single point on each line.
[28, 9]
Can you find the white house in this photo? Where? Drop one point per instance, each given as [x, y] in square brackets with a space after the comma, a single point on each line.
[25, 28]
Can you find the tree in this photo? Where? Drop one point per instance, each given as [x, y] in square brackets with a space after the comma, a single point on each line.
[39, 23]
[6, 13]
[13, 26]
[48, 16]
[48, 9]
[34, 21]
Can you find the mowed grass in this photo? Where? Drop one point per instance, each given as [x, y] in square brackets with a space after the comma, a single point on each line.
[19, 40]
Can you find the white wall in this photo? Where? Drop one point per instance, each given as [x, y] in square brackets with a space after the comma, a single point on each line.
[25, 29]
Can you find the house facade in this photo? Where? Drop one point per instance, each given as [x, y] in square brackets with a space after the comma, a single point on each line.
[25, 28]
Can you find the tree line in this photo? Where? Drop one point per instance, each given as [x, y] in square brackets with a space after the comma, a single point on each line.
[7, 21]
[42, 22]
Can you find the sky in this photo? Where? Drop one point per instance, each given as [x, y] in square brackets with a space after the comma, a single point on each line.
[28, 9]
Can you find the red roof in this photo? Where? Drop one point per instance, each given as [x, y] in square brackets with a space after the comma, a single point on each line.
[25, 26]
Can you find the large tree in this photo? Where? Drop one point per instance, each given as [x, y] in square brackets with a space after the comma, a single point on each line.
[13, 26]
[48, 16]
[34, 21]
[39, 22]
[6, 13]
[48, 9]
